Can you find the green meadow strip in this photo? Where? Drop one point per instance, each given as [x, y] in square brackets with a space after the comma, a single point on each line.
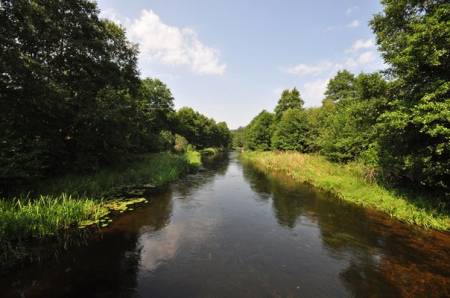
[351, 183]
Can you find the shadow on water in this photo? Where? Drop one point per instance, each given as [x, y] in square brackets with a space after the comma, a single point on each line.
[231, 231]
[386, 258]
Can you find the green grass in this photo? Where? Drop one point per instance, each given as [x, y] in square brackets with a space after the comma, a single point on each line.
[23, 218]
[156, 169]
[81, 200]
[353, 183]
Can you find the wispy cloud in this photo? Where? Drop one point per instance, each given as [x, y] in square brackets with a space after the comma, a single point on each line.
[361, 44]
[310, 69]
[353, 24]
[361, 56]
[351, 10]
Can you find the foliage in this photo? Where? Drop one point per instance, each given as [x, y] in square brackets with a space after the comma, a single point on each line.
[414, 39]
[348, 131]
[341, 86]
[155, 169]
[290, 99]
[201, 131]
[193, 159]
[258, 133]
[238, 138]
[181, 144]
[55, 85]
[398, 122]
[352, 183]
[73, 198]
[71, 98]
[291, 131]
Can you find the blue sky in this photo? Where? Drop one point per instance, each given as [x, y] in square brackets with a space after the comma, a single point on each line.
[230, 59]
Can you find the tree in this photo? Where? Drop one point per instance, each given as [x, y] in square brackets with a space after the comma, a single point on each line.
[414, 39]
[259, 132]
[201, 131]
[59, 61]
[348, 131]
[223, 138]
[316, 118]
[291, 131]
[290, 99]
[341, 86]
[238, 137]
[154, 115]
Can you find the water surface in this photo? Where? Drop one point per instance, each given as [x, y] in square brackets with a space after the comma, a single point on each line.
[230, 231]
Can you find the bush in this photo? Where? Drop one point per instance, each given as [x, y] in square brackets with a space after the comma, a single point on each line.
[291, 131]
[259, 132]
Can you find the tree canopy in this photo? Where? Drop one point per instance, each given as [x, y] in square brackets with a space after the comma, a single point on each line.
[414, 39]
[397, 121]
[291, 131]
[290, 99]
[259, 132]
[200, 130]
[71, 96]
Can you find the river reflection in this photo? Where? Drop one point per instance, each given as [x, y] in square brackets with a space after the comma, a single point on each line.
[231, 231]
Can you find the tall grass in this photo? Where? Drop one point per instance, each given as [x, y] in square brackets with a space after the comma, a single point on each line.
[24, 218]
[74, 200]
[156, 169]
[352, 183]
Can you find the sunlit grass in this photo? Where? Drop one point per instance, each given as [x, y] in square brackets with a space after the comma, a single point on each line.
[353, 183]
[156, 169]
[80, 200]
[24, 218]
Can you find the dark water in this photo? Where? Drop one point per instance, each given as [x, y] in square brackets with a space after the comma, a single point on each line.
[233, 232]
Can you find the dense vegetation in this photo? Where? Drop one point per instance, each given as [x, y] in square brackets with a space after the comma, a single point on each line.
[71, 98]
[72, 105]
[350, 182]
[70, 203]
[396, 123]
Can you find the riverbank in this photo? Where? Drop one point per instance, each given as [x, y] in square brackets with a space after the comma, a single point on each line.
[352, 184]
[56, 206]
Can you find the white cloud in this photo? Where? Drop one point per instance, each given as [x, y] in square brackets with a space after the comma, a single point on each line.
[361, 44]
[172, 45]
[313, 91]
[353, 24]
[305, 69]
[366, 58]
[111, 15]
[355, 62]
[362, 56]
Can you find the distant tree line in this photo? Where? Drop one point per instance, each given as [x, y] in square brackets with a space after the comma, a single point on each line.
[397, 121]
[71, 98]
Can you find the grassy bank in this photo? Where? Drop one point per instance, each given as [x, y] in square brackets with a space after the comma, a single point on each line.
[76, 201]
[351, 183]
[155, 169]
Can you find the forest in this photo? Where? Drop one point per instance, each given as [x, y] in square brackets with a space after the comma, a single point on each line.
[71, 96]
[396, 122]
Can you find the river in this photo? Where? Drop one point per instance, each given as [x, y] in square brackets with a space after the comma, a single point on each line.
[231, 231]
